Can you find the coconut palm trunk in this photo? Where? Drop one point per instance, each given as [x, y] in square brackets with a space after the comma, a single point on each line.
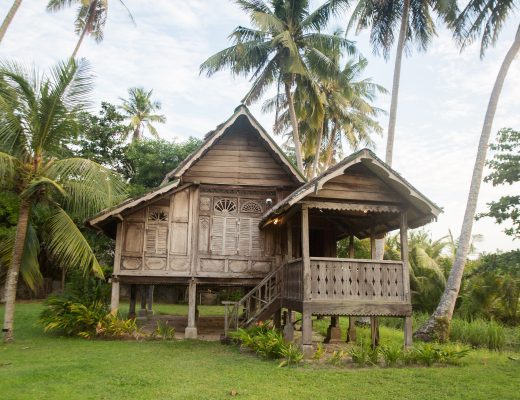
[9, 18]
[330, 148]
[437, 326]
[13, 272]
[395, 84]
[318, 151]
[88, 25]
[294, 123]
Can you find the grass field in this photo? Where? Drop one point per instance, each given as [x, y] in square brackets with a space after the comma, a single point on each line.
[40, 366]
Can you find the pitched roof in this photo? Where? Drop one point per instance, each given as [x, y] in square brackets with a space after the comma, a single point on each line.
[426, 209]
[213, 136]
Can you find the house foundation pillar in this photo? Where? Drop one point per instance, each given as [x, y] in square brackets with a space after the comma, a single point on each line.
[307, 348]
[333, 331]
[191, 330]
[133, 299]
[288, 329]
[114, 301]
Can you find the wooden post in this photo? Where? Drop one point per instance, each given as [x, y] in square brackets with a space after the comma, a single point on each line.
[288, 329]
[351, 250]
[150, 299]
[191, 330]
[307, 316]
[374, 323]
[333, 331]
[307, 348]
[407, 332]
[277, 319]
[114, 301]
[289, 241]
[351, 332]
[142, 296]
[403, 232]
[306, 254]
[133, 298]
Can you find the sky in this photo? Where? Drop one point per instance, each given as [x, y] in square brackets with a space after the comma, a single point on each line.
[442, 101]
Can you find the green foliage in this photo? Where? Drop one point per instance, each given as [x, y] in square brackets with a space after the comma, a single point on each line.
[268, 343]
[164, 330]
[338, 357]
[361, 248]
[362, 354]
[150, 160]
[478, 333]
[319, 353]
[391, 354]
[111, 326]
[9, 206]
[505, 169]
[492, 288]
[140, 112]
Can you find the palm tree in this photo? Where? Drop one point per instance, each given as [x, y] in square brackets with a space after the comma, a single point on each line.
[344, 112]
[9, 18]
[414, 18]
[139, 110]
[90, 19]
[39, 116]
[486, 19]
[278, 49]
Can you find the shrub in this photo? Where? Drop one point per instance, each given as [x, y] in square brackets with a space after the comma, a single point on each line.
[363, 354]
[291, 354]
[337, 357]
[452, 354]
[111, 326]
[319, 353]
[164, 330]
[426, 354]
[392, 354]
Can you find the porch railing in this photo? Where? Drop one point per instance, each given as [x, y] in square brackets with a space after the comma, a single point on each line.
[354, 279]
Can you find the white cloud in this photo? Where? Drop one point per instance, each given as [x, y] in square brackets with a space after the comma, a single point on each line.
[444, 93]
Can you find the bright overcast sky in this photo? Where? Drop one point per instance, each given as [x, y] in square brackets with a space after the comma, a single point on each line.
[442, 101]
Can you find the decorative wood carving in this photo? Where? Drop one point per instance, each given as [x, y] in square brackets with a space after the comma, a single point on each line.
[131, 264]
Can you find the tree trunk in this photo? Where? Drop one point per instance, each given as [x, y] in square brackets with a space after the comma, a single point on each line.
[12, 274]
[137, 134]
[318, 151]
[395, 85]
[87, 27]
[437, 326]
[9, 18]
[330, 149]
[296, 130]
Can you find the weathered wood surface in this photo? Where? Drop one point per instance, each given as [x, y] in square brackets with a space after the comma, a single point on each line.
[347, 279]
[293, 280]
[239, 158]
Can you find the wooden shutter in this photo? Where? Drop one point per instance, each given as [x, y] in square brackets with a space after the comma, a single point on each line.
[250, 242]
[134, 234]
[257, 238]
[224, 235]
[179, 225]
[156, 239]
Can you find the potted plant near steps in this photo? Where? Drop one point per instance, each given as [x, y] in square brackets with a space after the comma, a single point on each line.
[208, 298]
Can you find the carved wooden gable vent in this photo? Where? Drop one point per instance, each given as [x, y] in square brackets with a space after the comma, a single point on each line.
[251, 206]
[226, 206]
[157, 230]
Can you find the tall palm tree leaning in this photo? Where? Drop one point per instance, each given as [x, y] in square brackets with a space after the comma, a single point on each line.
[9, 18]
[486, 18]
[139, 109]
[276, 51]
[90, 19]
[40, 115]
[414, 18]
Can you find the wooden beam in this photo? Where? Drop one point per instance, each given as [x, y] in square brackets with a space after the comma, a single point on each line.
[306, 254]
[403, 232]
[289, 241]
[351, 249]
[191, 330]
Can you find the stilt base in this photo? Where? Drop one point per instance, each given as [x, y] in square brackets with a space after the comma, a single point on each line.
[307, 350]
[190, 333]
[288, 332]
[333, 335]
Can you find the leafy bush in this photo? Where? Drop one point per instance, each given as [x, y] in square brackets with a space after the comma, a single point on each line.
[360, 354]
[391, 354]
[268, 342]
[164, 330]
[426, 354]
[337, 358]
[319, 353]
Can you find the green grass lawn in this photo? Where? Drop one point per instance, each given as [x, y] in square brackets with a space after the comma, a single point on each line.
[40, 366]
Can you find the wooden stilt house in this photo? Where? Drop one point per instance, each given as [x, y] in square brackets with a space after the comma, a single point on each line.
[236, 212]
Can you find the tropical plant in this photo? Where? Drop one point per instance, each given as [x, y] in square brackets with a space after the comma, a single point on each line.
[140, 112]
[164, 330]
[39, 116]
[343, 109]
[416, 26]
[485, 19]
[9, 18]
[279, 50]
[291, 354]
[90, 19]
[505, 169]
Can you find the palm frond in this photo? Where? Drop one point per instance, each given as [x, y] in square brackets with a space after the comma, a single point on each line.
[67, 245]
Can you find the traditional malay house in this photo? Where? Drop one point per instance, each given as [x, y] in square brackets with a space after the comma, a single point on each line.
[236, 212]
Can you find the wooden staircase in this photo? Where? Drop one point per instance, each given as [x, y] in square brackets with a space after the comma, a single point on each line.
[257, 305]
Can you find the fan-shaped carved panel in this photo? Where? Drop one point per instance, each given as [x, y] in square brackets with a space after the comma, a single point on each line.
[226, 206]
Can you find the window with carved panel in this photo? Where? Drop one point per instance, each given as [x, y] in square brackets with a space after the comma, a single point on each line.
[251, 207]
[158, 214]
[226, 206]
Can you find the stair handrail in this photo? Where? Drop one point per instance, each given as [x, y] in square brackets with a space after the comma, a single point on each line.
[234, 315]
